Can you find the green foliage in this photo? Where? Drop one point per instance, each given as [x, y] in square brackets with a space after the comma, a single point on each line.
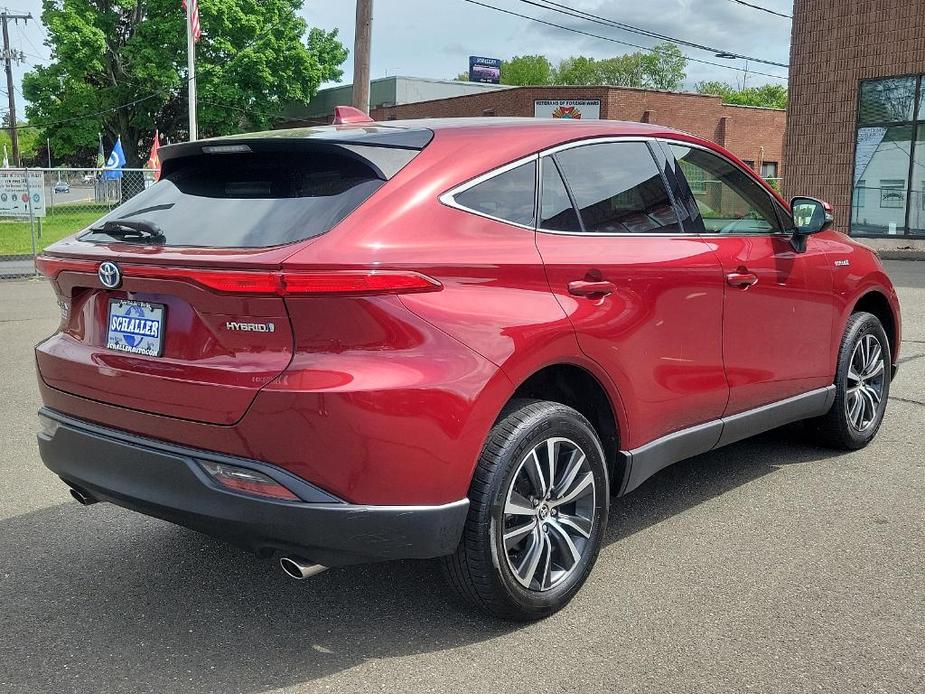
[661, 68]
[31, 147]
[664, 67]
[254, 57]
[527, 70]
[767, 95]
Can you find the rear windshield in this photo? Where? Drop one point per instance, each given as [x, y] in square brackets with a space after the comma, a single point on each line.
[249, 200]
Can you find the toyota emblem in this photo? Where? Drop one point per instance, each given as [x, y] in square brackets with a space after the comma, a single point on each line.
[110, 275]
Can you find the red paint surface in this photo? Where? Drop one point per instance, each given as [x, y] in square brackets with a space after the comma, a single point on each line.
[388, 399]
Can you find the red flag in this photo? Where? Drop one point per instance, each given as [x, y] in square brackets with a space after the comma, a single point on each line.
[154, 159]
[193, 11]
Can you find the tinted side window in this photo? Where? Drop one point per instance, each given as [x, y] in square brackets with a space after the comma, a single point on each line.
[556, 210]
[510, 196]
[618, 189]
[729, 201]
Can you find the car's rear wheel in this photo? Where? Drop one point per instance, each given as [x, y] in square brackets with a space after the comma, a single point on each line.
[538, 510]
[862, 385]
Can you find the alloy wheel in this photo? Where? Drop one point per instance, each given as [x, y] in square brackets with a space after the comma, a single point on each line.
[865, 383]
[549, 514]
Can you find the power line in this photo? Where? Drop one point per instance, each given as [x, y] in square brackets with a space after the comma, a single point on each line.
[613, 40]
[597, 19]
[762, 9]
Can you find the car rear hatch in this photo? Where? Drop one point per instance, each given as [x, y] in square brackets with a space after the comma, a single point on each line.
[175, 304]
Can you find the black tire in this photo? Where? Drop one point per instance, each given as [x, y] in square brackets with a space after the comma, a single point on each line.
[835, 429]
[481, 570]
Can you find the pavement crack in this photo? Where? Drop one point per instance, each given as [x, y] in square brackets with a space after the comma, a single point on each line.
[907, 401]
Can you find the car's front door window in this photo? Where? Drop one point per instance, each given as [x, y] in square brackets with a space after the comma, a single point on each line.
[729, 200]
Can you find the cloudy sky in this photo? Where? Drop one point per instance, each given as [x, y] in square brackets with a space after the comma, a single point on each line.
[433, 38]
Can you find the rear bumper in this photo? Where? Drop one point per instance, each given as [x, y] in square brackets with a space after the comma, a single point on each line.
[165, 481]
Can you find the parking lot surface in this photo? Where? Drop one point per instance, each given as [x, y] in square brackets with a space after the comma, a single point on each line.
[769, 566]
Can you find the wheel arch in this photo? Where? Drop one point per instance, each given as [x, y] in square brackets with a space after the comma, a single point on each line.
[581, 389]
[875, 302]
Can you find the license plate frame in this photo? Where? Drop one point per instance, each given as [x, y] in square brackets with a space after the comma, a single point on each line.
[135, 327]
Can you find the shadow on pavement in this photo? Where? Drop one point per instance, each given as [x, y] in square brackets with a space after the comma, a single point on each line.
[100, 599]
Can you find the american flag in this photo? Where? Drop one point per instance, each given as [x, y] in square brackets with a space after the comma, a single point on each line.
[193, 11]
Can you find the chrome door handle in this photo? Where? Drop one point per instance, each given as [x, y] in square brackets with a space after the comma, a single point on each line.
[596, 289]
[742, 279]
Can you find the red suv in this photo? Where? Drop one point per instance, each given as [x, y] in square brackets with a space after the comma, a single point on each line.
[455, 339]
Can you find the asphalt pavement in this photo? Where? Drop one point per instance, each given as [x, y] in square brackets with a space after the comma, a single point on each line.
[772, 565]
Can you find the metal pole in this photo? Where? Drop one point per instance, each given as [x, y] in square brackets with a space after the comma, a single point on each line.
[191, 66]
[361, 50]
[31, 218]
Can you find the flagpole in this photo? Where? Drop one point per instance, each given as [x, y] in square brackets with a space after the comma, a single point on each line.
[191, 63]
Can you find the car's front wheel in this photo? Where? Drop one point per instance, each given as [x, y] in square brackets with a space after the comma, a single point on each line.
[538, 511]
[862, 385]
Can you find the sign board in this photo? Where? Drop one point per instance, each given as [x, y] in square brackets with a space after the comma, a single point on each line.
[484, 69]
[585, 109]
[17, 198]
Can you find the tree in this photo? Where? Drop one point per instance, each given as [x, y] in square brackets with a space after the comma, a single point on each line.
[527, 70]
[664, 67]
[577, 70]
[766, 96]
[661, 68]
[119, 67]
[31, 149]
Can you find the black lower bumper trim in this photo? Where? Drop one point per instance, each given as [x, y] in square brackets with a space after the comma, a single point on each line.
[165, 481]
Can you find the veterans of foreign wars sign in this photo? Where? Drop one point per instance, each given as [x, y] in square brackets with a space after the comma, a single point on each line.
[585, 109]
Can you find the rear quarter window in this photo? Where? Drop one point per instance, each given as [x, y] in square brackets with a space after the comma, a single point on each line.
[508, 196]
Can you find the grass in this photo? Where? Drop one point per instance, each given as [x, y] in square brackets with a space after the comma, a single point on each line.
[63, 220]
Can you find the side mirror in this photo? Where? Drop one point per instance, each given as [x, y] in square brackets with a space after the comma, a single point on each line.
[810, 216]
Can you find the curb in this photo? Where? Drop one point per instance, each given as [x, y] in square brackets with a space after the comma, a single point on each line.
[902, 255]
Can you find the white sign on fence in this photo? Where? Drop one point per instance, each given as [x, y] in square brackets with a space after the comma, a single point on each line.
[585, 109]
[17, 198]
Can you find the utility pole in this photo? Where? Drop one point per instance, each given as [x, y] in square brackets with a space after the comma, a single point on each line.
[8, 57]
[361, 47]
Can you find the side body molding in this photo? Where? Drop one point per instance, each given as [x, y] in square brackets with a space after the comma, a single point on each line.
[643, 462]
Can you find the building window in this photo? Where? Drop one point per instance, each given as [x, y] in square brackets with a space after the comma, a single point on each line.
[749, 163]
[890, 144]
[769, 169]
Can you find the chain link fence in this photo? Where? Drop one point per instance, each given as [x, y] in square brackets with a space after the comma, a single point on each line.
[67, 201]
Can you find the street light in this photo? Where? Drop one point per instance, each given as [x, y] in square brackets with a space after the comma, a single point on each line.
[732, 56]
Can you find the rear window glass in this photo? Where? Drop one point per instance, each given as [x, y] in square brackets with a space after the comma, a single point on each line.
[509, 196]
[556, 211]
[618, 189]
[250, 200]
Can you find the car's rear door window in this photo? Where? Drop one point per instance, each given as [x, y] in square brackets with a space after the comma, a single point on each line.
[618, 188]
[509, 196]
[250, 200]
[557, 213]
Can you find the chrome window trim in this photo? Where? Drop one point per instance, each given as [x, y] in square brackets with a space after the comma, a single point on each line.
[448, 198]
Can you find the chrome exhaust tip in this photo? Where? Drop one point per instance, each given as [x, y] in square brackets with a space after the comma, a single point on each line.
[82, 497]
[300, 569]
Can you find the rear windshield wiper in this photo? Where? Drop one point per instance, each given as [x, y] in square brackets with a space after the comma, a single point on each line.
[130, 229]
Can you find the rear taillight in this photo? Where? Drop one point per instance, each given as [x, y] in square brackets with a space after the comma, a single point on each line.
[242, 479]
[280, 283]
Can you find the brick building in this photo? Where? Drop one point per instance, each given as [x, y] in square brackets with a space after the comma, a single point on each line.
[754, 134]
[856, 122]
